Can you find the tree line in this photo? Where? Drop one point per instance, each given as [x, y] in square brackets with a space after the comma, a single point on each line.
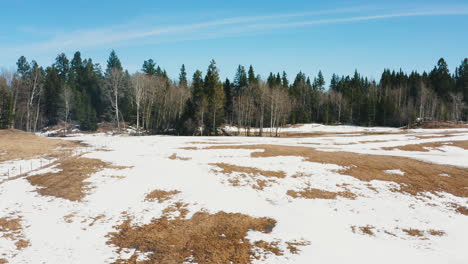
[79, 91]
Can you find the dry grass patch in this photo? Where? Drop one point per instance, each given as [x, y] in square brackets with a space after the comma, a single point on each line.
[426, 147]
[213, 142]
[204, 238]
[96, 219]
[230, 168]
[367, 230]
[174, 157]
[70, 183]
[292, 246]
[160, 195]
[414, 232]
[11, 228]
[17, 144]
[249, 173]
[419, 176]
[459, 208]
[311, 193]
[433, 232]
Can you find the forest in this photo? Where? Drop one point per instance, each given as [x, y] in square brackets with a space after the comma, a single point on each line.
[81, 93]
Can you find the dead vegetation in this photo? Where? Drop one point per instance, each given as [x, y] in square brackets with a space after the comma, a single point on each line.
[230, 168]
[440, 124]
[160, 195]
[17, 144]
[367, 230]
[249, 175]
[311, 193]
[412, 232]
[419, 176]
[459, 208]
[12, 229]
[426, 147]
[174, 157]
[204, 238]
[70, 183]
[292, 246]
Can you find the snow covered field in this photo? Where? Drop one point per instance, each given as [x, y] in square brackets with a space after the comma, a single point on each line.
[329, 206]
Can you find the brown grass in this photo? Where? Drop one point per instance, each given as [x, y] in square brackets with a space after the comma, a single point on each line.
[69, 217]
[174, 157]
[11, 228]
[367, 230]
[205, 238]
[414, 232]
[433, 232]
[419, 176]
[22, 244]
[161, 195]
[96, 219]
[292, 246]
[70, 183]
[3, 261]
[425, 147]
[311, 193]
[251, 173]
[441, 124]
[16, 144]
[230, 168]
[459, 208]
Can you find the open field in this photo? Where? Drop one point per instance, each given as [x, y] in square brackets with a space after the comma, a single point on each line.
[318, 194]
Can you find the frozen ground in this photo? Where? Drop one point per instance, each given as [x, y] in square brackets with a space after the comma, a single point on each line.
[63, 231]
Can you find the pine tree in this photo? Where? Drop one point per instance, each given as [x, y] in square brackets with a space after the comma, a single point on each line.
[284, 80]
[149, 67]
[53, 101]
[215, 94]
[183, 77]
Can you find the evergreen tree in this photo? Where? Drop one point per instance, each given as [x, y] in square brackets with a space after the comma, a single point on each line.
[53, 101]
[183, 77]
[215, 94]
[284, 80]
[240, 80]
[149, 67]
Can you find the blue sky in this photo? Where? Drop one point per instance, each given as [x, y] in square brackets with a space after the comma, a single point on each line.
[334, 36]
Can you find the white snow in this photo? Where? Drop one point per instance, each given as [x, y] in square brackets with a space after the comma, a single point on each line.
[399, 172]
[326, 224]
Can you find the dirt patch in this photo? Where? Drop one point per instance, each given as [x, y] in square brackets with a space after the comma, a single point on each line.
[3, 261]
[311, 193]
[17, 144]
[426, 147]
[160, 195]
[174, 157]
[70, 183]
[204, 238]
[419, 176]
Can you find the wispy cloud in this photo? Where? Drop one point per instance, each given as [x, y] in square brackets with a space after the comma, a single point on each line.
[121, 34]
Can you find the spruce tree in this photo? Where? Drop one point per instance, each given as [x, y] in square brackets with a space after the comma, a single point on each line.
[183, 77]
